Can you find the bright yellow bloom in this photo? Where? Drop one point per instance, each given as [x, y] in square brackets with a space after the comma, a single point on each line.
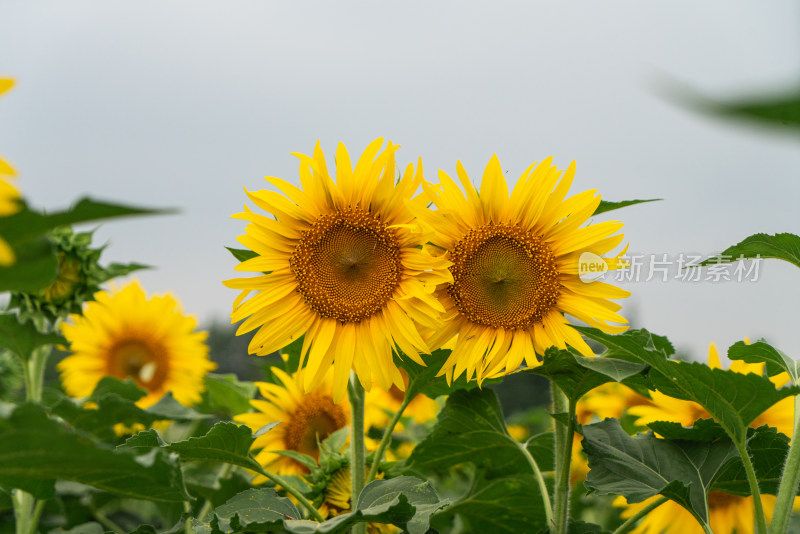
[663, 408]
[729, 514]
[516, 268]
[609, 400]
[124, 334]
[9, 196]
[343, 266]
[337, 502]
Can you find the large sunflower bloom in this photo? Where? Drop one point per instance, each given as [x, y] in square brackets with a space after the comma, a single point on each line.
[663, 408]
[124, 334]
[343, 266]
[9, 196]
[515, 268]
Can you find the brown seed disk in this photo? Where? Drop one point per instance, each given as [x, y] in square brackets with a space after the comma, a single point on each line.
[143, 361]
[316, 417]
[347, 265]
[503, 277]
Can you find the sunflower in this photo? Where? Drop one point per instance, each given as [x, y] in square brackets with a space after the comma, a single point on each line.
[515, 266]
[9, 196]
[728, 514]
[124, 334]
[343, 265]
[304, 419]
[336, 501]
[663, 408]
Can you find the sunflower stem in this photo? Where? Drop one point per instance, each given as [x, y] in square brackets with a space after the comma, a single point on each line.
[564, 435]
[34, 370]
[357, 451]
[787, 491]
[293, 492]
[761, 522]
[631, 522]
[537, 473]
[387, 435]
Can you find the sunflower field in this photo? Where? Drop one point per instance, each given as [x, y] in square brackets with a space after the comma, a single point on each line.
[388, 310]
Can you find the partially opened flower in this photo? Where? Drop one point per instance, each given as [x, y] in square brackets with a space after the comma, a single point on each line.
[9, 196]
[337, 501]
[340, 263]
[124, 334]
[516, 268]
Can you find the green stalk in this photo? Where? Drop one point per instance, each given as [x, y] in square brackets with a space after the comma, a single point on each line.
[357, 451]
[34, 373]
[761, 522]
[787, 490]
[387, 436]
[296, 494]
[631, 522]
[564, 436]
[537, 473]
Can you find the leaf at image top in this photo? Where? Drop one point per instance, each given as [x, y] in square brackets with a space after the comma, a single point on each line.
[642, 466]
[762, 352]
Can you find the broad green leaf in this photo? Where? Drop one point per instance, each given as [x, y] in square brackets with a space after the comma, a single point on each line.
[541, 448]
[701, 430]
[733, 399]
[775, 110]
[226, 394]
[643, 466]
[39, 447]
[21, 339]
[168, 408]
[299, 457]
[471, 428]
[768, 449]
[606, 205]
[503, 505]
[34, 268]
[380, 502]
[143, 441]
[127, 389]
[577, 375]
[242, 254]
[783, 246]
[225, 442]
[762, 352]
[255, 510]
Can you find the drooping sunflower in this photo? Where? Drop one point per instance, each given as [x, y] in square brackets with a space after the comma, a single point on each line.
[124, 334]
[728, 514]
[516, 267]
[336, 501]
[304, 419]
[340, 263]
[9, 196]
[663, 408]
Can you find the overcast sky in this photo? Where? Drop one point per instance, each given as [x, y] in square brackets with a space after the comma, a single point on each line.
[182, 104]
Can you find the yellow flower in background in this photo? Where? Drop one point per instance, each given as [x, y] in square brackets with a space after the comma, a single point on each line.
[336, 501]
[381, 405]
[663, 408]
[609, 400]
[728, 514]
[304, 419]
[344, 267]
[124, 334]
[9, 196]
[516, 268]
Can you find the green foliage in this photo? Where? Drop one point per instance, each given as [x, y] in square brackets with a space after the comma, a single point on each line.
[733, 399]
[225, 442]
[776, 110]
[577, 375]
[21, 339]
[643, 466]
[242, 254]
[35, 448]
[783, 246]
[225, 394]
[768, 449]
[606, 205]
[762, 352]
[471, 429]
[423, 380]
[37, 262]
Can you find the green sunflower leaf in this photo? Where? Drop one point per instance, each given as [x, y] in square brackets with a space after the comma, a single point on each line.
[577, 375]
[768, 449]
[36, 447]
[606, 205]
[733, 399]
[423, 380]
[541, 448]
[224, 442]
[642, 466]
[253, 510]
[783, 246]
[762, 352]
[471, 429]
[34, 268]
[242, 254]
[226, 394]
[21, 339]
[143, 441]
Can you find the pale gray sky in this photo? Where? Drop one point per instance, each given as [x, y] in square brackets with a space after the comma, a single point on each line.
[184, 103]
